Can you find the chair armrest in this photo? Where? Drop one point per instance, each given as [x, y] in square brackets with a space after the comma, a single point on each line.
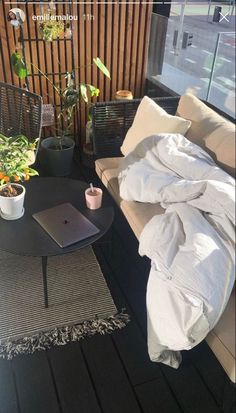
[111, 121]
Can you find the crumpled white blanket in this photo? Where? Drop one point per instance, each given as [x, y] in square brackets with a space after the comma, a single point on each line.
[191, 246]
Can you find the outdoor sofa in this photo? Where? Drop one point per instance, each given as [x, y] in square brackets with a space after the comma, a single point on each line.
[212, 130]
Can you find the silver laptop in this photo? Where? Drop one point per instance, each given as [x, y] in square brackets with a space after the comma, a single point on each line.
[65, 224]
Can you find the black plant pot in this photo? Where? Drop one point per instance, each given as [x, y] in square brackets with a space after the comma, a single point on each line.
[56, 161]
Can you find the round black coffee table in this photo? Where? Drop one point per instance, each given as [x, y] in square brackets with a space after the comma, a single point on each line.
[26, 237]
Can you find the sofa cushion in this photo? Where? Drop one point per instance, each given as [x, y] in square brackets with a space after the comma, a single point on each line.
[136, 213]
[222, 338]
[203, 119]
[220, 144]
[151, 119]
[107, 170]
[210, 131]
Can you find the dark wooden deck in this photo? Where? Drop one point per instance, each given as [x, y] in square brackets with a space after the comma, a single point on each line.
[112, 373]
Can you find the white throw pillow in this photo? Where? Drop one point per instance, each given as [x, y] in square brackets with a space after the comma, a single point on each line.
[151, 119]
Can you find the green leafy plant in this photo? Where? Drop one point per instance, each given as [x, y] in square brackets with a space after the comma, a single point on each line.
[14, 159]
[51, 29]
[19, 65]
[70, 97]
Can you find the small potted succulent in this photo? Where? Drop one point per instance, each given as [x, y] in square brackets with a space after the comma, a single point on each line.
[14, 168]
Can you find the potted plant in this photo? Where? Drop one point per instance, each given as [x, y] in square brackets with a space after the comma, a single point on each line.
[57, 151]
[14, 168]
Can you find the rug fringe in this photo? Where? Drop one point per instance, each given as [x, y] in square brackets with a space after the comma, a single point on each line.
[62, 335]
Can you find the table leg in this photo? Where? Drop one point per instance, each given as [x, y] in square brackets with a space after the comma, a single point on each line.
[45, 285]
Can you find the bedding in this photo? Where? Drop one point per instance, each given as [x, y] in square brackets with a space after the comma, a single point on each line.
[191, 245]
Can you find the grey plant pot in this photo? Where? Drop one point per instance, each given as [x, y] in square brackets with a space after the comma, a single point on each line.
[57, 162]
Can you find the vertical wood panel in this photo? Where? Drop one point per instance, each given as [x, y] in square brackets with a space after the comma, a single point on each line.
[134, 48]
[108, 49]
[34, 56]
[88, 45]
[14, 40]
[115, 48]
[2, 64]
[101, 46]
[75, 30]
[82, 77]
[6, 44]
[128, 41]
[117, 33]
[121, 47]
[88, 57]
[95, 34]
[48, 66]
[33, 85]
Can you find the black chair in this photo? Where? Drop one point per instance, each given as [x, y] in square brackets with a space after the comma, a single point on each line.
[20, 112]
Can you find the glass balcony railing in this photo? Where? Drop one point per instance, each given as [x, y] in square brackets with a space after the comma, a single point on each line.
[221, 85]
[198, 55]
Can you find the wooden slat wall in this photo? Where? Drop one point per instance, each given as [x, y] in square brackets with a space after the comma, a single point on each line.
[118, 34]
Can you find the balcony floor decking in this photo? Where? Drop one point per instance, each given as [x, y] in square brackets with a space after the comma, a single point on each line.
[112, 373]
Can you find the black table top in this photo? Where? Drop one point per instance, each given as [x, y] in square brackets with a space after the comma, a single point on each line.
[26, 237]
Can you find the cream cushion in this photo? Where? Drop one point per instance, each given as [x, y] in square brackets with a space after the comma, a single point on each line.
[137, 213]
[151, 119]
[203, 119]
[107, 170]
[209, 130]
[220, 144]
[222, 338]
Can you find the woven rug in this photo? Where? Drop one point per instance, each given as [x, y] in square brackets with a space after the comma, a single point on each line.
[80, 303]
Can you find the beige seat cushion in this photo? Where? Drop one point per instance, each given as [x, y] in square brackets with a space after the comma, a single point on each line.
[222, 339]
[107, 170]
[136, 213]
[139, 213]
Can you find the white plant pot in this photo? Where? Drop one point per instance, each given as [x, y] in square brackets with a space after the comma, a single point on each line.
[12, 208]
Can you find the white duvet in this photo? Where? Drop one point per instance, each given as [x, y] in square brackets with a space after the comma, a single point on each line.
[191, 246]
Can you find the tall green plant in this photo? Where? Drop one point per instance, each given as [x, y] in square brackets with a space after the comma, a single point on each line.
[70, 95]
